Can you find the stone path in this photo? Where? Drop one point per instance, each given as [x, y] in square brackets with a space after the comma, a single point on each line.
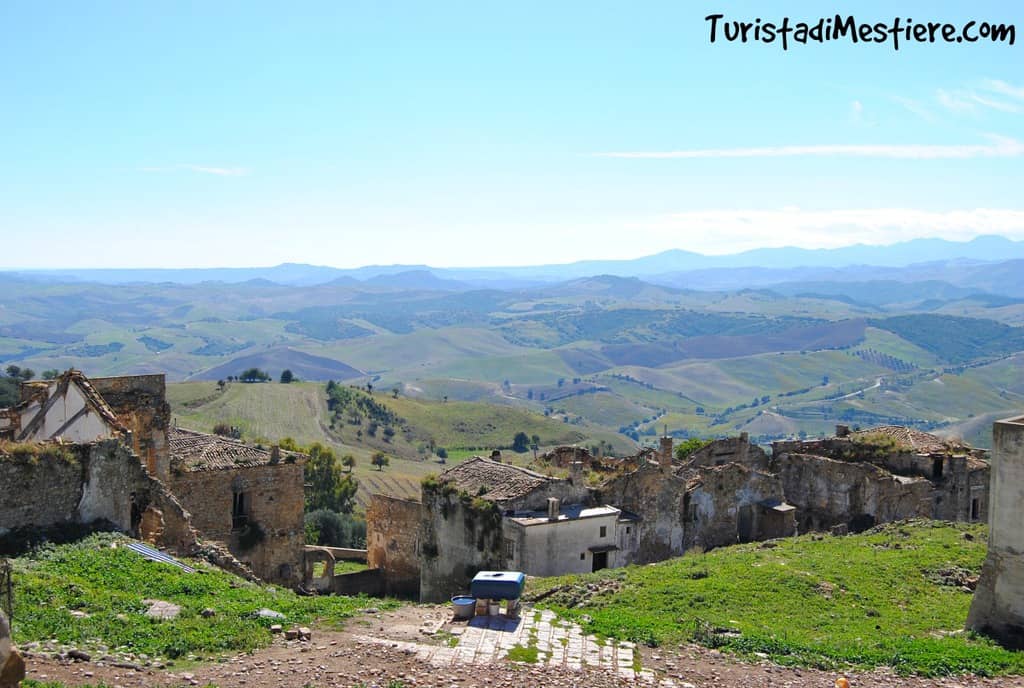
[488, 639]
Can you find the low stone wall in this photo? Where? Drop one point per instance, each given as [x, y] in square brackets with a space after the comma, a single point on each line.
[392, 542]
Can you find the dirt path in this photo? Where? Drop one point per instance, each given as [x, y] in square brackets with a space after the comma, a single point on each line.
[404, 646]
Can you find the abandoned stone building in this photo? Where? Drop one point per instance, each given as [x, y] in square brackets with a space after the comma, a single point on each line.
[481, 515]
[859, 479]
[484, 514]
[79, 409]
[131, 469]
[249, 498]
[997, 608]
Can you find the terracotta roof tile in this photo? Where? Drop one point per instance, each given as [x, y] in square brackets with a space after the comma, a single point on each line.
[200, 451]
[493, 480]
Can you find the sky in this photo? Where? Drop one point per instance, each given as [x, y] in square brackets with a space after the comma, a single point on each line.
[482, 133]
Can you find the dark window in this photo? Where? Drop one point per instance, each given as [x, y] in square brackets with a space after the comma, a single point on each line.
[239, 510]
[583, 555]
[628, 530]
[937, 468]
[975, 509]
[604, 531]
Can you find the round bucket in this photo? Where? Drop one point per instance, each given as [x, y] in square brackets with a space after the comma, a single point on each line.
[493, 608]
[464, 606]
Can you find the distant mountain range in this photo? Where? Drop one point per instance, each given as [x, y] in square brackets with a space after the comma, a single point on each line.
[919, 259]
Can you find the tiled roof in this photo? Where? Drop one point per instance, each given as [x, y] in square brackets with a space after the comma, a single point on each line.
[199, 451]
[493, 480]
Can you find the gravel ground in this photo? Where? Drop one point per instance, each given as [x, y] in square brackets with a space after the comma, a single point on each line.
[346, 659]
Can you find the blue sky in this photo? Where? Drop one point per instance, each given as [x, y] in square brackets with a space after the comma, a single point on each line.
[478, 133]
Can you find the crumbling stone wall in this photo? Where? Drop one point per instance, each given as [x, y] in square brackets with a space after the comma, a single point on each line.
[656, 495]
[140, 404]
[564, 456]
[392, 542]
[103, 481]
[460, 536]
[828, 492]
[998, 605]
[733, 503]
[275, 498]
[730, 450]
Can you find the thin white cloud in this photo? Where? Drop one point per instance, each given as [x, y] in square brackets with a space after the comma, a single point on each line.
[200, 169]
[727, 231]
[993, 96]
[915, 107]
[1001, 87]
[1000, 147]
[958, 102]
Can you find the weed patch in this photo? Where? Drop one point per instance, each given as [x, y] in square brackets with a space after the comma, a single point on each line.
[892, 596]
[105, 584]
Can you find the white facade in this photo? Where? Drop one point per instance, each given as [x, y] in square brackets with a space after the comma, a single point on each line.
[71, 416]
[579, 540]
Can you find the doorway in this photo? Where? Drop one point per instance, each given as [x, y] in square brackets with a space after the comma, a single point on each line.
[600, 561]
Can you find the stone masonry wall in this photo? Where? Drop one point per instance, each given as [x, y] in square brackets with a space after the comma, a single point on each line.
[103, 481]
[829, 492]
[457, 541]
[392, 542]
[275, 502]
[730, 450]
[140, 403]
[728, 505]
[656, 495]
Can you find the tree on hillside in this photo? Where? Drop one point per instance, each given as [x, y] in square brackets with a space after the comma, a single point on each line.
[286, 376]
[521, 442]
[394, 392]
[328, 487]
[51, 374]
[254, 375]
[25, 374]
[380, 460]
[349, 462]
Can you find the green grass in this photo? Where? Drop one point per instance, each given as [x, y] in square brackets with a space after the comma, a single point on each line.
[108, 584]
[859, 601]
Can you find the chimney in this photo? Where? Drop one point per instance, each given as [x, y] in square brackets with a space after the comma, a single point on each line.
[496, 455]
[554, 506]
[744, 437]
[665, 451]
[275, 454]
[842, 431]
[576, 469]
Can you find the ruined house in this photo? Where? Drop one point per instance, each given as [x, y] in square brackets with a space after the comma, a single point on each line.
[884, 474]
[249, 498]
[110, 454]
[68, 408]
[702, 502]
[997, 608]
[483, 514]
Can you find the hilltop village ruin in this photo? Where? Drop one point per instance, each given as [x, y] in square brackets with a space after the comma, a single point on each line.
[82, 451]
[606, 513]
[103, 450]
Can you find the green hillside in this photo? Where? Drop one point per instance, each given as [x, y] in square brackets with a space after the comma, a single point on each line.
[892, 596]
